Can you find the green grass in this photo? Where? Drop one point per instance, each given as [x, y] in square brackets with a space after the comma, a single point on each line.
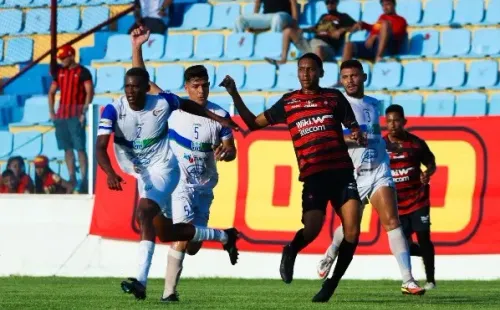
[105, 293]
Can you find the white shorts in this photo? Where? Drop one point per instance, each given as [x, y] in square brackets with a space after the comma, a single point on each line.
[370, 182]
[157, 184]
[191, 205]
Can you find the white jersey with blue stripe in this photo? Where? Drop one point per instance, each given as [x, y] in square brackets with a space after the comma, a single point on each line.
[192, 139]
[141, 137]
[367, 112]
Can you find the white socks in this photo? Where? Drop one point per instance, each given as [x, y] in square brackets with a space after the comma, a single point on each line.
[399, 248]
[173, 271]
[209, 234]
[338, 236]
[146, 250]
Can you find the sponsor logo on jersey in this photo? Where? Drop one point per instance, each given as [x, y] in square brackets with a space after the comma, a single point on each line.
[156, 112]
[401, 175]
[313, 121]
[369, 156]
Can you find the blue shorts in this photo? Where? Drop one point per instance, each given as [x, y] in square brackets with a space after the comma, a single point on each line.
[70, 134]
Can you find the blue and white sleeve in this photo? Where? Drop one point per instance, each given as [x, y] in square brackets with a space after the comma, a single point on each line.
[226, 132]
[108, 121]
[173, 100]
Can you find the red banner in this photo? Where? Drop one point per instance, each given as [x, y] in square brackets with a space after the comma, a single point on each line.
[259, 193]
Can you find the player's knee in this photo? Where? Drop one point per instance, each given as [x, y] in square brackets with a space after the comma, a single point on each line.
[424, 238]
[351, 234]
[193, 248]
[311, 231]
[180, 246]
[147, 210]
[391, 223]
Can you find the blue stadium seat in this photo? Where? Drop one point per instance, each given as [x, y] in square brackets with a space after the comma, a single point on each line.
[423, 43]
[248, 9]
[49, 146]
[18, 50]
[102, 101]
[110, 79]
[268, 44]
[385, 100]
[260, 77]
[331, 76]
[37, 21]
[154, 48]
[179, 47]
[441, 104]
[196, 16]
[417, 75]
[41, 3]
[125, 23]
[386, 75]
[255, 103]
[151, 72]
[1, 50]
[27, 144]
[68, 19]
[455, 42]
[224, 101]
[438, 12]
[36, 110]
[493, 13]
[6, 146]
[17, 3]
[92, 71]
[93, 16]
[224, 15]
[411, 103]
[271, 100]
[170, 77]
[486, 42]
[471, 104]
[351, 8]
[287, 77]
[358, 36]
[239, 46]
[468, 12]
[209, 46]
[371, 12]
[11, 22]
[449, 74]
[411, 10]
[236, 71]
[494, 106]
[211, 74]
[482, 74]
[312, 12]
[118, 49]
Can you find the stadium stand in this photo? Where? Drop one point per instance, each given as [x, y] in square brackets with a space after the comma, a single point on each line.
[449, 66]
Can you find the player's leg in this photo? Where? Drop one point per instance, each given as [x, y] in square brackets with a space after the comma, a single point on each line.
[421, 225]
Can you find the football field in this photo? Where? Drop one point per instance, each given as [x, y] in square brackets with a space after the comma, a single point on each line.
[105, 293]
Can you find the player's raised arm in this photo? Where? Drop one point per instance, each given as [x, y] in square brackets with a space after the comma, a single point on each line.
[253, 122]
[138, 37]
[106, 127]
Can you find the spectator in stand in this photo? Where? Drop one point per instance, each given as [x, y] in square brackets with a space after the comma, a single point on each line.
[48, 182]
[154, 14]
[278, 15]
[77, 92]
[329, 35]
[11, 184]
[386, 36]
[17, 166]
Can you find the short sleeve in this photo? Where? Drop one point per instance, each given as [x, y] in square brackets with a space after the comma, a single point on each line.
[85, 75]
[108, 120]
[173, 100]
[347, 21]
[226, 132]
[427, 157]
[276, 114]
[344, 113]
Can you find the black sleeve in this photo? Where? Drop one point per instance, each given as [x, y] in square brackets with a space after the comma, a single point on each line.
[347, 21]
[427, 158]
[276, 114]
[85, 75]
[343, 112]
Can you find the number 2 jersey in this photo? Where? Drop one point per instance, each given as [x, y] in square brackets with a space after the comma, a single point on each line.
[141, 137]
[367, 159]
[192, 139]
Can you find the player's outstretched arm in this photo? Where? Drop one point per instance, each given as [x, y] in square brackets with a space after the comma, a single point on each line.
[138, 37]
[196, 109]
[253, 122]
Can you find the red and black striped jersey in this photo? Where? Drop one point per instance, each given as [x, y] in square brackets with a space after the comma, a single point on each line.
[315, 125]
[406, 158]
[71, 84]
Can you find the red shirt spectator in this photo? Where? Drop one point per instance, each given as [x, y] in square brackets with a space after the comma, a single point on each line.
[398, 27]
[12, 185]
[48, 182]
[17, 166]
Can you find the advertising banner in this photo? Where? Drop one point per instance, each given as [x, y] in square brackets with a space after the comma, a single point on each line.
[259, 193]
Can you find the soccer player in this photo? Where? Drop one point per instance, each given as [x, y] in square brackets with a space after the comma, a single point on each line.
[373, 177]
[139, 122]
[192, 140]
[407, 153]
[314, 116]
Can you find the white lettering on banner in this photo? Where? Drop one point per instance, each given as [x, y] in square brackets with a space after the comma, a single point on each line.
[309, 130]
[313, 121]
[401, 172]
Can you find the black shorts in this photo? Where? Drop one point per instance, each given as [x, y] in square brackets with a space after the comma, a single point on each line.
[416, 221]
[335, 186]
